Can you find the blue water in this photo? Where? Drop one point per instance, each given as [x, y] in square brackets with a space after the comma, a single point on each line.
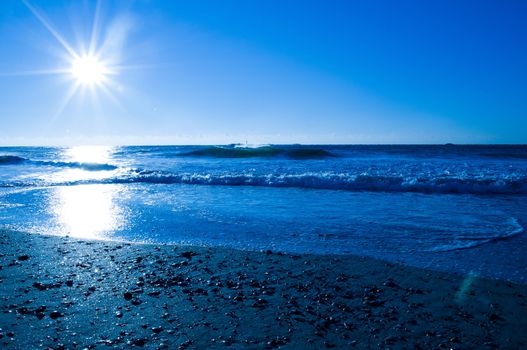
[422, 205]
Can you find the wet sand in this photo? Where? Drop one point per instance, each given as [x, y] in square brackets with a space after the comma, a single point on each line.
[64, 293]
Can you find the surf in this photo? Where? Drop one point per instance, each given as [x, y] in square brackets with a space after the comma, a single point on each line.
[16, 160]
[260, 152]
[321, 181]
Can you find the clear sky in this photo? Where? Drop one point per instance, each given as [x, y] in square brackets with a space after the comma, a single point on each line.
[201, 72]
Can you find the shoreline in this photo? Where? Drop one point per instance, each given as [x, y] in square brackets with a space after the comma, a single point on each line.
[61, 292]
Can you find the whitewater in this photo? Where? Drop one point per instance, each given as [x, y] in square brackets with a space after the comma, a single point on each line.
[438, 206]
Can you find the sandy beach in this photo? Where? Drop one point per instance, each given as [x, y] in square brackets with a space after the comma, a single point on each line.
[63, 293]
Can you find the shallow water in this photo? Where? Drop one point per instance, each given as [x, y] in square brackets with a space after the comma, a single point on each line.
[403, 203]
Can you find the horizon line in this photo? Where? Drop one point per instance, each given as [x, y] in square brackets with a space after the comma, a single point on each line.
[267, 144]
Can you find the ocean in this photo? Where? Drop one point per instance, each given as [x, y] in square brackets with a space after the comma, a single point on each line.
[460, 208]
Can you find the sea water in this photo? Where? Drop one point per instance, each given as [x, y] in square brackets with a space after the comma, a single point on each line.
[449, 207]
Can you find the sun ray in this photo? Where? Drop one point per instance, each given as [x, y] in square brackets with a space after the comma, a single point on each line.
[120, 67]
[95, 29]
[104, 87]
[56, 71]
[66, 101]
[50, 28]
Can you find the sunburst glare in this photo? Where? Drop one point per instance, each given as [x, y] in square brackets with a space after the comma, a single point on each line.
[89, 70]
[89, 64]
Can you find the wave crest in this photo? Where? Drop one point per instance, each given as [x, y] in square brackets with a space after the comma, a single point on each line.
[333, 181]
[78, 165]
[11, 160]
[260, 152]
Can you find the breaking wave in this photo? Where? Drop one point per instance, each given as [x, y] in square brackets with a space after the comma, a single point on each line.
[12, 160]
[327, 181]
[260, 152]
[77, 165]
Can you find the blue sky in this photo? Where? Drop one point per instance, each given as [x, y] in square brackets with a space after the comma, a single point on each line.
[267, 72]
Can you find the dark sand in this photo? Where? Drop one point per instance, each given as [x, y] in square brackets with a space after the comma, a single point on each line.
[65, 293]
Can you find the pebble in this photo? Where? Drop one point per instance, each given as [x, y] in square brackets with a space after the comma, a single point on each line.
[188, 254]
[260, 303]
[391, 284]
[140, 342]
[157, 330]
[55, 314]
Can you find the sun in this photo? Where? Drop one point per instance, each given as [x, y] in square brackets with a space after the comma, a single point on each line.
[93, 64]
[88, 70]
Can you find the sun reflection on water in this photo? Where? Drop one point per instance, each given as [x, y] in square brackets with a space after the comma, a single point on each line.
[88, 211]
[89, 154]
[84, 163]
